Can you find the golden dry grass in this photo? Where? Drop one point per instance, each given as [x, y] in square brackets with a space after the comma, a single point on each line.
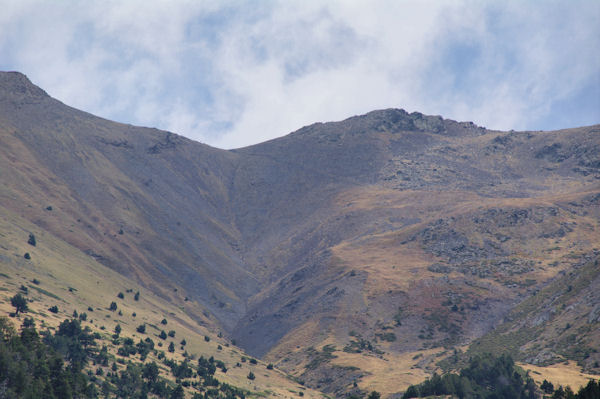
[394, 266]
[388, 374]
[560, 374]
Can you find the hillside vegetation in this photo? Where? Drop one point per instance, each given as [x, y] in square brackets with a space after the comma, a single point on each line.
[353, 256]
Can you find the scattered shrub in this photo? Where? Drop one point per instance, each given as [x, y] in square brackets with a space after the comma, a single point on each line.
[547, 387]
[388, 336]
[374, 395]
[20, 304]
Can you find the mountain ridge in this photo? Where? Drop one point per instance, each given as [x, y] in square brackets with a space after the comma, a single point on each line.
[380, 224]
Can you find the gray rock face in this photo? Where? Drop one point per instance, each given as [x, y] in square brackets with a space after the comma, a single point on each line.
[594, 315]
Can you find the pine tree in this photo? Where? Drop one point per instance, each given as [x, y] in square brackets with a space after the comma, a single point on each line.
[20, 304]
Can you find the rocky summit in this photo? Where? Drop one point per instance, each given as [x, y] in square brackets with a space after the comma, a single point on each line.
[352, 256]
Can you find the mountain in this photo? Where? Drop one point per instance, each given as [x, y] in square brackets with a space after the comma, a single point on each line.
[354, 255]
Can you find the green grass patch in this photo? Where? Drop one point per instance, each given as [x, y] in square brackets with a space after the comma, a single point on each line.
[319, 357]
[349, 368]
[509, 343]
[43, 291]
[264, 394]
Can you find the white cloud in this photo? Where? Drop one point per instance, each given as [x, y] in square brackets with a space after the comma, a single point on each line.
[233, 74]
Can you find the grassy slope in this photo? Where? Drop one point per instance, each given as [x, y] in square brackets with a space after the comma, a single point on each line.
[568, 373]
[72, 280]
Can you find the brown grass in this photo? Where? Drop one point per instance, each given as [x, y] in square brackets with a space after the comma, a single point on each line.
[559, 374]
[389, 374]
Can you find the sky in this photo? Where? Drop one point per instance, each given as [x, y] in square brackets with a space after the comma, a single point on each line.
[236, 73]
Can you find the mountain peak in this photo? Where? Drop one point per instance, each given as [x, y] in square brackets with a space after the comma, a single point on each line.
[399, 119]
[18, 87]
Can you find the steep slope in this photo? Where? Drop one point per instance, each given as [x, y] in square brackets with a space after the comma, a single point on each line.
[411, 229]
[61, 277]
[144, 202]
[354, 252]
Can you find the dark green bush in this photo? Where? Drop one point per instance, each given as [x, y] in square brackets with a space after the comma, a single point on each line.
[20, 304]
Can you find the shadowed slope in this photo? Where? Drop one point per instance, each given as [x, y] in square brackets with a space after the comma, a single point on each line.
[145, 202]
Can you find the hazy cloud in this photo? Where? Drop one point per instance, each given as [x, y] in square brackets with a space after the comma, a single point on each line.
[236, 73]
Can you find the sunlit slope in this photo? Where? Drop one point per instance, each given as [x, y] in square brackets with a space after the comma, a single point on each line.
[58, 274]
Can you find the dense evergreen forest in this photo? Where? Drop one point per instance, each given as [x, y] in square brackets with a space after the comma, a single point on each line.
[61, 365]
[490, 377]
